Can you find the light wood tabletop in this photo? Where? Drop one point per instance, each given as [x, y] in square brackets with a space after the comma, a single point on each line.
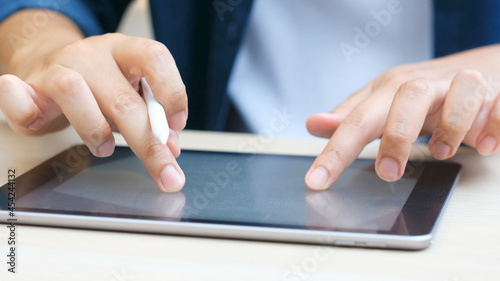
[466, 245]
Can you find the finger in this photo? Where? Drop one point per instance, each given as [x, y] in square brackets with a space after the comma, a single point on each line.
[111, 125]
[324, 124]
[409, 109]
[16, 102]
[144, 57]
[171, 205]
[326, 209]
[363, 125]
[70, 91]
[173, 143]
[352, 101]
[122, 104]
[488, 140]
[463, 101]
[325, 203]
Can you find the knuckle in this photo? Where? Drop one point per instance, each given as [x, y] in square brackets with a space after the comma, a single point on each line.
[178, 97]
[99, 134]
[471, 75]
[416, 88]
[450, 128]
[397, 79]
[331, 155]
[397, 136]
[78, 47]
[125, 103]
[152, 149]
[440, 134]
[112, 36]
[67, 82]
[394, 77]
[153, 50]
[23, 116]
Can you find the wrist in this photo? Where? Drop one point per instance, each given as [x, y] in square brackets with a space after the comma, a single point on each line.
[22, 49]
[37, 49]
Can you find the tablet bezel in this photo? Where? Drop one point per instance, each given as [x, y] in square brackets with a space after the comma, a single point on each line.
[433, 187]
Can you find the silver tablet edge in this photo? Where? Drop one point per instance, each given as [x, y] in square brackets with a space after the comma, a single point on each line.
[320, 237]
[275, 234]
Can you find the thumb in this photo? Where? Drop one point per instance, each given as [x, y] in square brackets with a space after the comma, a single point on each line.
[18, 106]
[324, 124]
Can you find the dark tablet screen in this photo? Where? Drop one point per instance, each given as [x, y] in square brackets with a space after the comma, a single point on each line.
[242, 189]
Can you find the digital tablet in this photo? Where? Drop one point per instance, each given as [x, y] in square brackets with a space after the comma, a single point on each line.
[234, 195]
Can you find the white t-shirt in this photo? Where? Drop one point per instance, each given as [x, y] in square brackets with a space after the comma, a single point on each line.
[301, 57]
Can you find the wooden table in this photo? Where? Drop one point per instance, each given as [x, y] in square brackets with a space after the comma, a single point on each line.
[466, 246]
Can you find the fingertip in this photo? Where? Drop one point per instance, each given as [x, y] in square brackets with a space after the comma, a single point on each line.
[107, 148]
[440, 150]
[487, 146]
[323, 124]
[178, 121]
[171, 179]
[317, 178]
[388, 169]
[311, 123]
[17, 104]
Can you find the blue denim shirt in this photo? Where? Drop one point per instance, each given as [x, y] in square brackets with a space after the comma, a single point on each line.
[204, 37]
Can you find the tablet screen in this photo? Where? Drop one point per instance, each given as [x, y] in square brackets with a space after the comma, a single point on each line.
[245, 189]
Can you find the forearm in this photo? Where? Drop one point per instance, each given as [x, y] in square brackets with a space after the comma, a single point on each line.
[30, 34]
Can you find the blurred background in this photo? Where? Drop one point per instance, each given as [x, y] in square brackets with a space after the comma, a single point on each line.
[137, 20]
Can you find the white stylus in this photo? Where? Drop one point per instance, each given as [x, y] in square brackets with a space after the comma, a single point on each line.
[157, 117]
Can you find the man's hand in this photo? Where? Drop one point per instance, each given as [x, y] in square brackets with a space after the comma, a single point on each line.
[58, 77]
[454, 98]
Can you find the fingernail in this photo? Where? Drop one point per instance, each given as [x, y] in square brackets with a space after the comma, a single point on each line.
[178, 121]
[440, 150]
[37, 125]
[106, 149]
[388, 169]
[318, 178]
[487, 146]
[171, 180]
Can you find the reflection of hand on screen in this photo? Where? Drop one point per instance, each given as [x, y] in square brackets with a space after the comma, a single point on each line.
[118, 187]
[385, 216]
[329, 210]
[171, 205]
[336, 210]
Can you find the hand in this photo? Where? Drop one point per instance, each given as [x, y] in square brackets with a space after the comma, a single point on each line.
[454, 98]
[93, 84]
